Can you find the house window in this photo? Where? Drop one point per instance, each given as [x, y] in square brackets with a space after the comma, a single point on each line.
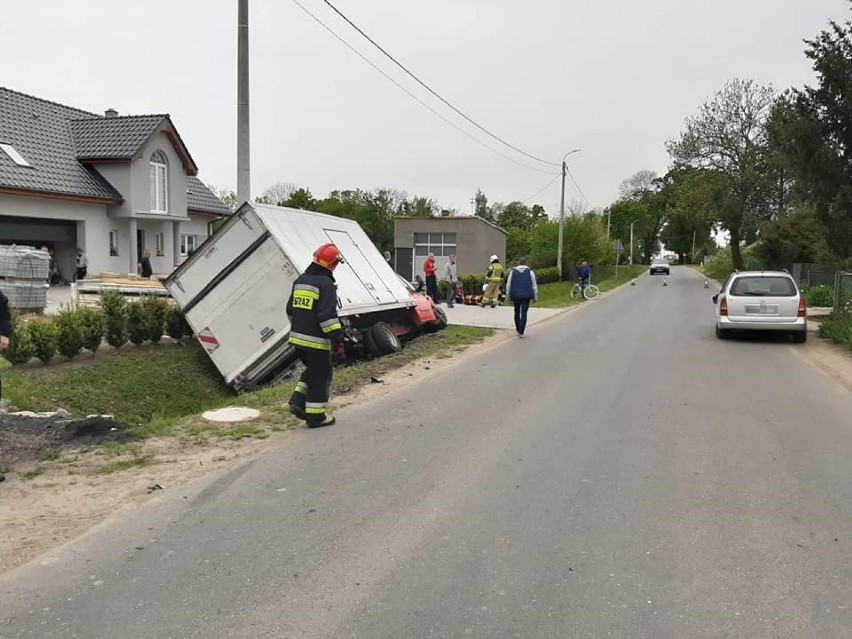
[161, 244]
[13, 154]
[159, 183]
[113, 243]
[441, 244]
[187, 245]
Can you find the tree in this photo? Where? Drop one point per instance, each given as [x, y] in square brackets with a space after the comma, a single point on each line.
[481, 208]
[516, 215]
[729, 137]
[277, 193]
[229, 198]
[812, 129]
[300, 199]
[637, 185]
[797, 237]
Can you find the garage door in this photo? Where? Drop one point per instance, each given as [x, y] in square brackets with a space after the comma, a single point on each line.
[23, 230]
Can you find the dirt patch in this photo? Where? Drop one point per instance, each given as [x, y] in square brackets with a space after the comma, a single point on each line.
[71, 475]
[832, 359]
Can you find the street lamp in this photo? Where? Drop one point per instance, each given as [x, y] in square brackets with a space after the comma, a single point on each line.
[562, 212]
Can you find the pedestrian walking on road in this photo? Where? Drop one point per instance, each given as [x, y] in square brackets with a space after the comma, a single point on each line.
[430, 268]
[522, 289]
[493, 279]
[317, 334]
[452, 278]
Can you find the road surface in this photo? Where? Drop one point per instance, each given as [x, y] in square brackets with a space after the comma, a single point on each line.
[617, 473]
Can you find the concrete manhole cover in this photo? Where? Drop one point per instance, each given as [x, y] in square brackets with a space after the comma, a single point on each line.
[232, 414]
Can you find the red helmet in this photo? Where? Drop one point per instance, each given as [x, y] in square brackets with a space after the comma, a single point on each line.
[328, 256]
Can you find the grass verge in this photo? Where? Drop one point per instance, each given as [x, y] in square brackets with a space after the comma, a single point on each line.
[159, 389]
[837, 329]
[558, 294]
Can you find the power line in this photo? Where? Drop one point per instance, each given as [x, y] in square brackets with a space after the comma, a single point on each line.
[411, 95]
[433, 92]
[579, 190]
[556, 177]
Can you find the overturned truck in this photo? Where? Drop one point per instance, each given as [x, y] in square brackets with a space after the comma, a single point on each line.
[233, 291]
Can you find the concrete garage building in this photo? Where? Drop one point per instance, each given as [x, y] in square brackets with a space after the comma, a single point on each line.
[112, 185]
[471, 239]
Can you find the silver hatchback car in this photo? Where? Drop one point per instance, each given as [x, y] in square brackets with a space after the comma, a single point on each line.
[761, 301]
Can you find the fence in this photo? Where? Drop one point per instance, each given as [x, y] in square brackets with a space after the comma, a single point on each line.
[843, 293]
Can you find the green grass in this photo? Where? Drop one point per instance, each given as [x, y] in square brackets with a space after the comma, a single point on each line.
[32, 474]
[558, 294]
[50, 454]
[136, 385]
[837, 329]
[156, 387]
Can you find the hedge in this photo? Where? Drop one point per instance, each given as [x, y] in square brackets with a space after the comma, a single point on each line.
[73, 329]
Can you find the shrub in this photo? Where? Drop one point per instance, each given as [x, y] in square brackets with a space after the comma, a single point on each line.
[547, 275]
[21, 348]
[114, 308]
[175, 323]
[472, 283]
[837, 329]
[154, 316]
[820, 296]
[92, 326]
[45, 337]
[69, 332]
[137, 327]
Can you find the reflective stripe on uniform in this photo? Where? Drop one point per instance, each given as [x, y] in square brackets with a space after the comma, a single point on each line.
[309, 341]
[307, 288]
[302, 388]
[314, 408]
[496, 271]
[331, 325]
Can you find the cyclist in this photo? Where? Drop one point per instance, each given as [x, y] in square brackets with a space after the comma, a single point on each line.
[584, 273]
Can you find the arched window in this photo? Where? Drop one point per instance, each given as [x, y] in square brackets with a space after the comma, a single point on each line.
[159, 182]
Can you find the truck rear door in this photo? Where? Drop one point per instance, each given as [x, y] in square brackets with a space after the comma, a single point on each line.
[366, 276]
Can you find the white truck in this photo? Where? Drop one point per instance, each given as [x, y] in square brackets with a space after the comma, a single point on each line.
[233, 291]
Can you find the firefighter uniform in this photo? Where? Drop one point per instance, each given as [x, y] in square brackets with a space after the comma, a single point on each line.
[316, 332]
[493, 279]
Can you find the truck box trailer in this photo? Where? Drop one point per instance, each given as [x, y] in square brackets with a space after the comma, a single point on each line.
[233, 290]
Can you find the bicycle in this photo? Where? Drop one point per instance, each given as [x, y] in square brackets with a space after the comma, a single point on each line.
[590, 292]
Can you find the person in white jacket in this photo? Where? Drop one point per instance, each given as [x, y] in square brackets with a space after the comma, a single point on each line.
[452, 277]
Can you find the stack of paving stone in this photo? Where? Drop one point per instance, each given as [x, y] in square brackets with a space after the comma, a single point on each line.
[24, 271]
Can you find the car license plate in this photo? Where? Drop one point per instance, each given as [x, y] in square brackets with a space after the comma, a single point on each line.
[761, 309]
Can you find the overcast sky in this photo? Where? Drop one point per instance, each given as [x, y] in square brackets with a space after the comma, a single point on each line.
[615, 78]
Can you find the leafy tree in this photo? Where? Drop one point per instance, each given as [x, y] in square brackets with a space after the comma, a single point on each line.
[729, 137]
[300, 199]
[481, 208]
[517, 243]
[797, 237]
[812, 130]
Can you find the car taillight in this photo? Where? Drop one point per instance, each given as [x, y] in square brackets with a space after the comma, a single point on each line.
[803, 306]
[723, 306]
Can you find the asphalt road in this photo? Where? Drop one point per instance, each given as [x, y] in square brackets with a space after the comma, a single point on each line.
[617, 473]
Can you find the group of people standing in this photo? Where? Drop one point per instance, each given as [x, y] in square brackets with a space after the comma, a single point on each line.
[521, 286]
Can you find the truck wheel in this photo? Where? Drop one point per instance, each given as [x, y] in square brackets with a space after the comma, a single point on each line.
[383, 339]
[440, 322]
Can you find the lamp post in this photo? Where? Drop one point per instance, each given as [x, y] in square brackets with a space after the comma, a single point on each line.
[631, 241]
[562, 213]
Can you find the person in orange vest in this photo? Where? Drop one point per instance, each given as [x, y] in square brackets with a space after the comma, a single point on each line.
[430, 269]
[493, 279]
[317, 334]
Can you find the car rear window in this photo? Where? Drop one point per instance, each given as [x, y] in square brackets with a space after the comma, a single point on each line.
[764, 286]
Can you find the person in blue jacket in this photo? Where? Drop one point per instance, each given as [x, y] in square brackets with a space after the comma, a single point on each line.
[522, 289]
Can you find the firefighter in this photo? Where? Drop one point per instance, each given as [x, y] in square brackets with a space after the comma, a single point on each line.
[493, 279]
[317, 334]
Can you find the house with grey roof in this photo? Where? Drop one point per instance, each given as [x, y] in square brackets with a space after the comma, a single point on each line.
[114, 186]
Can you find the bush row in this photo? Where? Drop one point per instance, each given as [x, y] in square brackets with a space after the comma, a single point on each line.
[117, 321]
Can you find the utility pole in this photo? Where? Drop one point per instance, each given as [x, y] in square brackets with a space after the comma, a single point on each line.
[243, 129]
[562, 213]
[692, 255]
[631, 242]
